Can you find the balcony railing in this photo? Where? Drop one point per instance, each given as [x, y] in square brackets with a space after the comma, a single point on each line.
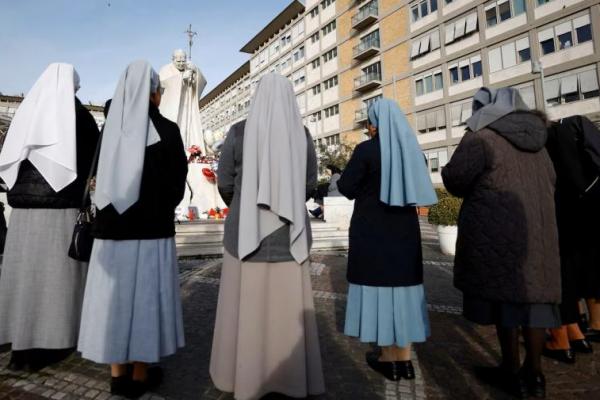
[361, 115]
[367, 81]
[367, 48]
[366, 16]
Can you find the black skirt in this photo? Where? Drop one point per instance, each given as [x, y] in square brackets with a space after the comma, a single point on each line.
[511, 315]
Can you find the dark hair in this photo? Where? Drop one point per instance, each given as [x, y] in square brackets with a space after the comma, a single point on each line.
[334, 169]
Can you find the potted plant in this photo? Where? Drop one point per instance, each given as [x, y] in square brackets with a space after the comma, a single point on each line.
[445, 216]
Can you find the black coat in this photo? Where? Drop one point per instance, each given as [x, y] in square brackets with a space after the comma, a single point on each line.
[572, 144]
[162, 189]
[507, 248]
[385, 241]
[31, 189]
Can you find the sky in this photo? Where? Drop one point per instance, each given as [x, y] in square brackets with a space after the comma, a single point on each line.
[100, 37]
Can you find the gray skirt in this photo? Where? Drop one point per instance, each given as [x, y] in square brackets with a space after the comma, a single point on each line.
[132, 306]
[41, 288]
[511, 315]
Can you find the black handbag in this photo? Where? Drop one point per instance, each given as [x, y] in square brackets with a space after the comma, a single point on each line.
[82, 240]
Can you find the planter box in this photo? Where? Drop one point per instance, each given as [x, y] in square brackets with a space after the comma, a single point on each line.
[448, 235]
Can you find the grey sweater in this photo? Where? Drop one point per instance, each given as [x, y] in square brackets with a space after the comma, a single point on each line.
[275, 247]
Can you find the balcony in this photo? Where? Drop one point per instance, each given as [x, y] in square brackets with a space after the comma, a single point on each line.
[366, 49]
[361, 115]
[367, 82]
[366, 16]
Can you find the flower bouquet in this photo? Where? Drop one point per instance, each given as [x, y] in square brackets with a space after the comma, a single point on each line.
[217, 213]
[195, 154]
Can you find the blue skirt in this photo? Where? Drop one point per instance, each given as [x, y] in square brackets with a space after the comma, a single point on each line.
[387, 315]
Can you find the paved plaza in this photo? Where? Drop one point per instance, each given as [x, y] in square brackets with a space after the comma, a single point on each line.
[443, 364]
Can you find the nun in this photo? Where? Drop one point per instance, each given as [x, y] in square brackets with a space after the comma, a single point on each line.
[265, 337]
[574, 147]
[387, 177]
[507, 261]
[45, 163]
[132, 309]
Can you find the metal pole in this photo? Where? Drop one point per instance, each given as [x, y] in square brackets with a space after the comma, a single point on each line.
[538, 68]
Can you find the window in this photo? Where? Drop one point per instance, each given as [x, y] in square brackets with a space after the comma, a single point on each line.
[316, 90]
[436, 159]
[425, 44]
[372, 72]
[299, 77]
[542, 2]
[461, 28]
[502, 10]
[431, 121]
[329, 83]
[368, 102]
[327, 3]
[565, 35]
[315, 37]
[571, 86]
[330, 55]
[316, 116]
[330, 27]
[428, 83]
[286, 39]
[314, 13]
[299, 54]
[316, 63]
[528, 95]
[461, 112]
[331, 111]
[465, 70]
[422, 9]
[509, 55]
[332, 140]
[298, 30]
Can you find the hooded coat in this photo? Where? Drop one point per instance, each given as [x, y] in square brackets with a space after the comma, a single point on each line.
[507, 249]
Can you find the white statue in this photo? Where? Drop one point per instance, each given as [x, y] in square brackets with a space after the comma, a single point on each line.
[183, 84]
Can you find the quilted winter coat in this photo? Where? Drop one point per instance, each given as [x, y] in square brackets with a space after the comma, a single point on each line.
[507, 248]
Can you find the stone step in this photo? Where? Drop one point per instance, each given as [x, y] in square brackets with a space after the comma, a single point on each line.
[206, 238]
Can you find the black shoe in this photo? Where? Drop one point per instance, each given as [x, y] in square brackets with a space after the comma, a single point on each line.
[564, 356]
[536, 385]
[593, 335]
[389, 369]
[509, 382]
[119, 386]
[406, 369]
[582, 346]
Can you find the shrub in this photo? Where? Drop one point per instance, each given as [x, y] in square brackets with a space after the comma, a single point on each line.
[446, 211]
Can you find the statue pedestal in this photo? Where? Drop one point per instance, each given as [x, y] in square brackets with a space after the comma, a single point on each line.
[204, 194]
[338, 211]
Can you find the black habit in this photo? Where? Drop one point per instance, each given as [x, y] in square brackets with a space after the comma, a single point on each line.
[385, 241]
[574, 147]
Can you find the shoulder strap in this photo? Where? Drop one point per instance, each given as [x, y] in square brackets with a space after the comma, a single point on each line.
[88, 183]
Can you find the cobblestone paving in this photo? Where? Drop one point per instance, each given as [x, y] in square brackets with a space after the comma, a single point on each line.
[444, 364]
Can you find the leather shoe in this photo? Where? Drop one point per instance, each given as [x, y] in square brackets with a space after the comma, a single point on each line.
[564, 356]
[582, 346]
[536, 385]
[593, 335]
[391, 370]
